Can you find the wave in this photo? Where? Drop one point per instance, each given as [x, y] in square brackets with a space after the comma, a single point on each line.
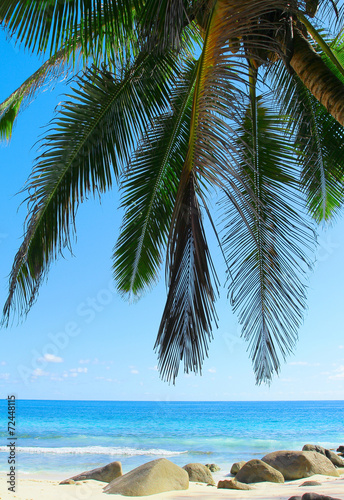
[95, 450]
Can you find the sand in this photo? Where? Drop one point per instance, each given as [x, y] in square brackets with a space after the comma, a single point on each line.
[40, 487]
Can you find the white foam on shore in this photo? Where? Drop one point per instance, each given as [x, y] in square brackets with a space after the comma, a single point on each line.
[95, 450]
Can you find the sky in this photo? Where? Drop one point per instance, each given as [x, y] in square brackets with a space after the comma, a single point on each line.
[82, 341]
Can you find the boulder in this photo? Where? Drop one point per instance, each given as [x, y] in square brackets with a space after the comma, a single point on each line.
[233, 484]
[107, 474]
[315, 496]
[299, 464]
[340, 449]
[310, 483]
[199, 473]
[237, 466]
[256, 471]
[153, 477]
[213, 467]
[314, 447]
[312, 496]
[335, 459]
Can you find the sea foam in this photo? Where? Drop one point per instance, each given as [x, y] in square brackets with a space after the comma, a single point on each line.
[95, 450]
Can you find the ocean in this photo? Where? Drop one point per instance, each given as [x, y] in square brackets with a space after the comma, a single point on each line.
[73, 436]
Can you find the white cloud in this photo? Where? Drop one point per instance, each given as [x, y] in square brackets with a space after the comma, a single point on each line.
[79, 370]
[212, 370]
[3, 363]
[134, 371]
[341, 347]
[84, 361]
[153, 368]
[302, 363]
[339, 374]
[4, 376]
[51, 358]
[39, 373]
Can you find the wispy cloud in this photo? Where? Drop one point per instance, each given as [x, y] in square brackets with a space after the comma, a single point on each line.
[302, 363]
[51, 358]
[38, 372]
[4, 376]
[338, 374]
[212, 370]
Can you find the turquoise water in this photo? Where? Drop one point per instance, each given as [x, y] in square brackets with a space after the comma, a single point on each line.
[55, 436]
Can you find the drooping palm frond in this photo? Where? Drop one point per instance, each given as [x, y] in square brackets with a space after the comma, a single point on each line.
[186, 325]
[320, 142]
[7, 119]
[51, 24]
[162, 21]
[267, 248]
[89, 142]
[47, 74]
[150, 188]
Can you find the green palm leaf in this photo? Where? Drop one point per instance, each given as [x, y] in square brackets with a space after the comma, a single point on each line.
[150, 188]
[48, 73]
[88, 143]
[267, 247]
[320, 141]
[50, 24]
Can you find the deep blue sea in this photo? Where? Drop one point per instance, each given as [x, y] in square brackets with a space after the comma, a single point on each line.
[59, 436]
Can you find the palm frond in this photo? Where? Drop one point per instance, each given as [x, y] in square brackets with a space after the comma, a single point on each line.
[266, 247]
[186, 324]
[149, 188]
[88, 143]
[49, 25]
[320, 142]
[47, 74]
[7, 119]
[162, 22]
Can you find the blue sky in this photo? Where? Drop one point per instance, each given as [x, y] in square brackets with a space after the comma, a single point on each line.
[82, 341]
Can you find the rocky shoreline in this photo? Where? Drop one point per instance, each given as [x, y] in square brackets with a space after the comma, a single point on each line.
[161, 475]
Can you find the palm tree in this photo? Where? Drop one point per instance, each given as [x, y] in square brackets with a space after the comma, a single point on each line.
[179, 102]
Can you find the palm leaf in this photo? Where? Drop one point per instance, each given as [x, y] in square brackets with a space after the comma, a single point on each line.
[49, 24]
[49, 72]
[267, 248]
[7, 119]
[150, 188]
[319, 138]
[88, 143]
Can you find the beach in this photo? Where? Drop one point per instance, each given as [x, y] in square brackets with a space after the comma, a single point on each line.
[57, 440]
[43, 487]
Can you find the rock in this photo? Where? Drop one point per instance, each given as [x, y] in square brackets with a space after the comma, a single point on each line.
[199, 473]
[335, 459]
[213, 467]
[67, 481]
[315, 496]
[256, 471]
[237, 466]
[341, 454]
[310, 483]
[341, 449]
[107, 473]
[299, 464]
[314, 447]
[153, 477]
[233, 484]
